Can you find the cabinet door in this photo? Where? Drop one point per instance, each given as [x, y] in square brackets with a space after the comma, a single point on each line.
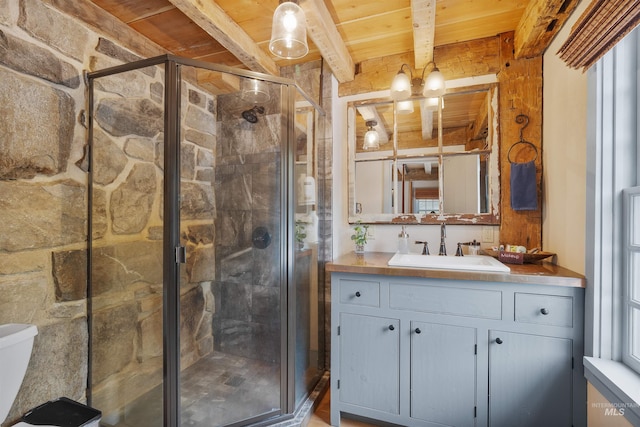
[443, 374]
[370, 362]
[529, 380]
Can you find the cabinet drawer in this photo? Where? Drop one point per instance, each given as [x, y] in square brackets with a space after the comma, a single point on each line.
[554, 310]
[360, 292]
[446, 300]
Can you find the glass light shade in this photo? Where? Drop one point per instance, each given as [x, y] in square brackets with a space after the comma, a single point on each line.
[288, 32]
[404, 107]
[255, 91]
[400, 87]
[432, 103]
[434, 86]
[371, 140]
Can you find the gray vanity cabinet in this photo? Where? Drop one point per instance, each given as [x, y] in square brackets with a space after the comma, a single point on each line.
[443, 374]
[530, 375]
[370, 368]
[429, 352]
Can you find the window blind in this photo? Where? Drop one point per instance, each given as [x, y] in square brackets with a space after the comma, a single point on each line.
[600, 27]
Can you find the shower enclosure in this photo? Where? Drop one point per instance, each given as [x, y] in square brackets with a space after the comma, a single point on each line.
[205, 307]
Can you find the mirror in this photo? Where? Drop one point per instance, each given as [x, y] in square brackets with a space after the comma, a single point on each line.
[436, 159]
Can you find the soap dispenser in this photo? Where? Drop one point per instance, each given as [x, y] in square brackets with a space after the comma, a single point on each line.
[403, 241]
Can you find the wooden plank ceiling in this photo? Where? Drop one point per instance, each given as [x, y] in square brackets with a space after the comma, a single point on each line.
[343, 32]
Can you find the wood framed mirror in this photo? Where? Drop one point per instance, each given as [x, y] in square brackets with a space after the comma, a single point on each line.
[437, 158]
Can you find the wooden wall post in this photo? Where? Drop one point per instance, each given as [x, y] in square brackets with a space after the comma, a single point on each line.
[520, 93]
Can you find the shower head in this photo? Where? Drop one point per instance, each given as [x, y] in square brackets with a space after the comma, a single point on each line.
[252, 115]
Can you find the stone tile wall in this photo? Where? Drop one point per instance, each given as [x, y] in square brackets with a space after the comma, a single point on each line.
[44, 194]
[248, 279]
[44, 198]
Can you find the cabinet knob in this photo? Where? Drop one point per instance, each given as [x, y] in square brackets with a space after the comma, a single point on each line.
[418, 331]
[544, 311]
[499, 341]
[358, 294]
[391, 327]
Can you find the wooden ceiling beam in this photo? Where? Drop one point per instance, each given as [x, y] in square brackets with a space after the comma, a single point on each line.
[215, 21]
[322, 30]
[540, 22]
[218, 83]
[481, 121]
[423, 15]
[426, 118]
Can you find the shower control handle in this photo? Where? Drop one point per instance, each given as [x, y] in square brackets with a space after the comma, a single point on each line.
[261, 237]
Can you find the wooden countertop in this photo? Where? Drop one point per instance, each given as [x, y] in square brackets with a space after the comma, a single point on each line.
[541, 273]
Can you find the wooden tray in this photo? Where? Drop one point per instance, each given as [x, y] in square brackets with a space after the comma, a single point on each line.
[528, 258]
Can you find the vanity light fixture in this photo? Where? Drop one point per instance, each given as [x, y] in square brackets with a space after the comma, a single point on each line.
[371, 138]
[432, 103]
[404, 107]
[289, 31]
[254, 91]
[401, 85]
[435, 85]
[404, 86]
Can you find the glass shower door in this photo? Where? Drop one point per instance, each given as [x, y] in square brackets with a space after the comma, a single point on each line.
[201, 311]
[308, 355]
[126, 247]
[233, 283]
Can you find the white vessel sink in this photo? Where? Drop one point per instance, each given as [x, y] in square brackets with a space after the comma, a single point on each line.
[470, 262]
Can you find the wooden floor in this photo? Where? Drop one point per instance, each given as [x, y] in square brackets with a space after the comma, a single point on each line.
[322, 416]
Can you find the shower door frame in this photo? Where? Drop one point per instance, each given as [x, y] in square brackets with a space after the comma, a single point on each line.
[174, 254]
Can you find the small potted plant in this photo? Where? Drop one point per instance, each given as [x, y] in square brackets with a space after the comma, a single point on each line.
[301, 234]
[359, 237]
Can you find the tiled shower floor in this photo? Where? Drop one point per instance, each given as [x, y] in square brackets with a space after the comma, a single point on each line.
[217, 390]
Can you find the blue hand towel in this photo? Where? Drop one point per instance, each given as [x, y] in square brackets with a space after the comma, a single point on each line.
[524, 194]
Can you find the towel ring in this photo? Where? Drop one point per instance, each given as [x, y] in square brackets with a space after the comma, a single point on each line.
[521, 118]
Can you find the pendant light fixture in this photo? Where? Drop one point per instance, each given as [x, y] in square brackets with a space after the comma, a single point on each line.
[404, 86]
[289, 31]
[254, 91]
[371, 138]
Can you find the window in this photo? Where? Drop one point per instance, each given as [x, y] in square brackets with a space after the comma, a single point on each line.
[613, 264]
[612, 324]
[631, 296]
[426, 200]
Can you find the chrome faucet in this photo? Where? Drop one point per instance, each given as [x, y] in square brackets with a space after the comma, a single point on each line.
[425, 247]
[443, 234]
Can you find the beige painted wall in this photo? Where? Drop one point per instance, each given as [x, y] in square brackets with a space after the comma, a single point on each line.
[600, 413]
[564, 155]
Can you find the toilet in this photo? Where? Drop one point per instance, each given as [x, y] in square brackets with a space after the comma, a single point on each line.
[16, 342]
